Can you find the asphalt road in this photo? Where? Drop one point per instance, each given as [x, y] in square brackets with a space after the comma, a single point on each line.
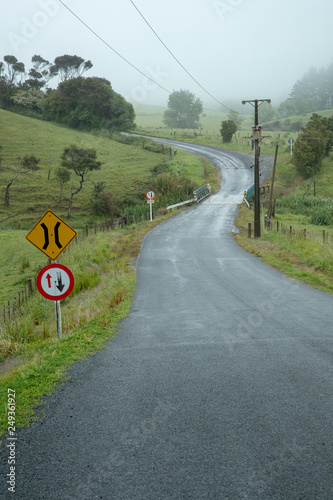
[218, 386]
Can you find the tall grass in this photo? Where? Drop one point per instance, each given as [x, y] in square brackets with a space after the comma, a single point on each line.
[318, 209]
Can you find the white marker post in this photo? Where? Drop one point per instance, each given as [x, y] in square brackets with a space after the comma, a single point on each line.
[150, 195]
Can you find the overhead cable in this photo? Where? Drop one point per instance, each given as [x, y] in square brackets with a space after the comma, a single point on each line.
[110, 47]
[176, 59]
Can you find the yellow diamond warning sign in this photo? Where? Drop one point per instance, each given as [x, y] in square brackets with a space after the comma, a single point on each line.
[51, 235]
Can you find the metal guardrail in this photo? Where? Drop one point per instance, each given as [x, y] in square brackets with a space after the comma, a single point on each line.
[199, 194]
[202, 192]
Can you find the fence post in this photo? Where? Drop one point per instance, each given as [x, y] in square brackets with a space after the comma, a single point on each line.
[324, 235]
[277, 226]
[304, 233]
[29, 286]
[249, 229]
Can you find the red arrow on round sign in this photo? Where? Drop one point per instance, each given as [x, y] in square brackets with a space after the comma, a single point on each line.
[55, 282]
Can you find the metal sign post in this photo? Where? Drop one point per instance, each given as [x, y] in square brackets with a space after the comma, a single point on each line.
[150, 195]
[51, 235]
[55, 282]
[58, 318]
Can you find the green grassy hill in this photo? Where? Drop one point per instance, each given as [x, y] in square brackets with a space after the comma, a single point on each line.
[125, 170]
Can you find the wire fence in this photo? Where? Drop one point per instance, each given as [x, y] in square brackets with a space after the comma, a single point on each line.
[13, 307]
[303, 233]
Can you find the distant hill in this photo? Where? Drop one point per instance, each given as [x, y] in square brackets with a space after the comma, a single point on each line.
[125, 170]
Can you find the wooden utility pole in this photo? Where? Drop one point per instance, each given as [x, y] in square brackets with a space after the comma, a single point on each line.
[257, 139]
[270, 207]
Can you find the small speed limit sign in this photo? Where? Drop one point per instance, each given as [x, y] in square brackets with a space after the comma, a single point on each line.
[150, 195]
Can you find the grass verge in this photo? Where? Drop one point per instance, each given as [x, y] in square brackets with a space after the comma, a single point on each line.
[34, 360]
[308, 260]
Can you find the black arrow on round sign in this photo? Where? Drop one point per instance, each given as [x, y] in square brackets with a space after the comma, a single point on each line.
[60, 286]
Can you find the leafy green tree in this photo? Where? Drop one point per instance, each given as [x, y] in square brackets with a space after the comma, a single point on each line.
[25, 165]
[11, 71]
[297, 106]
[237, 118]
[31, 98]
[81, 162]
[40, 73]
[67, 67]
[316, 85]
[90, 103]
[184, 110]
[63, 176]
[103, 202]
[311, 146]
[228, 129]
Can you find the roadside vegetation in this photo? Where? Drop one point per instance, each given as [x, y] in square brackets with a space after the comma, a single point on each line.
[32, 359]
[300, 240]
[39, 171]
[102, 259]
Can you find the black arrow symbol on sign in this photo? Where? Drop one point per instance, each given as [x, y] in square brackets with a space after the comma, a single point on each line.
[60, 286]
[46, 236]
[56, 234]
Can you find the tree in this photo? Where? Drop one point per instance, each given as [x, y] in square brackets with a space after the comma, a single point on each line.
[103, 202]
[311, 146]
[31, 98]
[62, 175]
[184, 110]
[25, 165]
[13, 69]
[68, 67]
[10, 72]
[90, 103]
[228, 129]
[266, 112]
[81, 162]
[40, 73]
[316, 85]
[237, 118]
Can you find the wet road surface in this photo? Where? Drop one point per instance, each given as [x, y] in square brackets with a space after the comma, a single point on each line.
[218, 386]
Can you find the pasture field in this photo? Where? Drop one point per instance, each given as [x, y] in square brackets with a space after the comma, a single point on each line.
[126, 171]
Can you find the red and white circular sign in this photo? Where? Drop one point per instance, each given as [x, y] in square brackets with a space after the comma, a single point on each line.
[55, 281]
[150, 195]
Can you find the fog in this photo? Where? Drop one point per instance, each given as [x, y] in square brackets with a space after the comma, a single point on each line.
[235, 49]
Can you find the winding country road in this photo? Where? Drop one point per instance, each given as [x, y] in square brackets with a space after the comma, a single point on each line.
[218, 386]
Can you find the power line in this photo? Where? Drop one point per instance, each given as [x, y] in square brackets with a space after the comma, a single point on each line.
[110, 47]
[176, 59]
[121, 56]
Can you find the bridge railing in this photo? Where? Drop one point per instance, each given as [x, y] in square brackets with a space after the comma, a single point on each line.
[202, 193]
[199, 195]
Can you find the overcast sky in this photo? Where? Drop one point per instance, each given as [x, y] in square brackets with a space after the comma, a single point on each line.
[236, 49]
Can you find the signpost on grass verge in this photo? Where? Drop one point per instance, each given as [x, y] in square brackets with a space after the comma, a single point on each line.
[150, 195]
[51, 235]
